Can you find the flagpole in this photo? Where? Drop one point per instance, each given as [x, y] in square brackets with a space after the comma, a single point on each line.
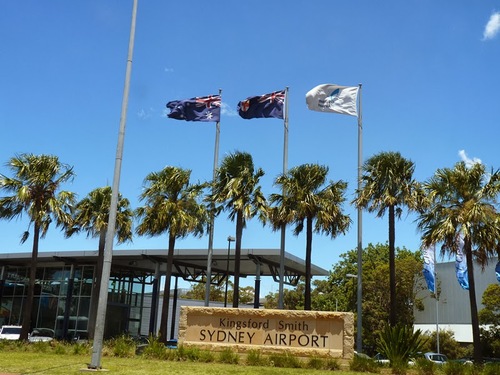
[208, 282]
[283, 226]
[437, 303]
[359, 344]
[110, 231]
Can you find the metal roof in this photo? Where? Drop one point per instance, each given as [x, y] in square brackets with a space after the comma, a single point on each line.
[191, 264]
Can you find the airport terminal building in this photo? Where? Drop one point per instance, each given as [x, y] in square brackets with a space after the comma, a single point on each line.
[65, 280]
[452, 311]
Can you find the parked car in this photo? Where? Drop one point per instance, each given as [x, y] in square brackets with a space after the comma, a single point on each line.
[383, 360]
[41, 334]
[437, 358]
[10, 332]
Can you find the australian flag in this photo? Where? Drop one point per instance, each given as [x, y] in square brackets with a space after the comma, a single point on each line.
[205, 108]
[268, 105]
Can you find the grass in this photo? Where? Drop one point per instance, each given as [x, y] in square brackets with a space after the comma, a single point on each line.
[119, 357]
[17, 362]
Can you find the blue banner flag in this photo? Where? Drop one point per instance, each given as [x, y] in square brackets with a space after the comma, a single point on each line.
[497, 271]
[204, 108]
[268, 105]
[429, 275]
[461, 265]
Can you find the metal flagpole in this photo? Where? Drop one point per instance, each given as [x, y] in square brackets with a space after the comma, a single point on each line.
[359, 344]
[208, 282]
[110, 232]
[283, 226]
[437, 303]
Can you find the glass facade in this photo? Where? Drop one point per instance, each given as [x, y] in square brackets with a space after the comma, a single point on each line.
[63, 297]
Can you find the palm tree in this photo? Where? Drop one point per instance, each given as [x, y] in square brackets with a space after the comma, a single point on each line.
[236, 189]
[91, 215]
[464, 206]
[34, 189]
[306, 199]
[171, 206]
[388, 184]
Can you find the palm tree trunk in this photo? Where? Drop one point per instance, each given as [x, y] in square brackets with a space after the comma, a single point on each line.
[95, 287]
[237, 257]
[28, 304]
[476, 336]
[307, 294]
[166, 291]
[392, 267]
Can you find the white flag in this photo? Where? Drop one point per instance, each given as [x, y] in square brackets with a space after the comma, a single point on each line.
[333, 98]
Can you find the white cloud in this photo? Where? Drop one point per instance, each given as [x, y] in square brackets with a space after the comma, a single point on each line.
[492, 27]
[169, 70]
[145, 114]
[468, 161]
[227, 110]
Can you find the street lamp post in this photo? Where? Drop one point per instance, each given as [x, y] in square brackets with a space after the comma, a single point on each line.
[229, 240]
[359, 344]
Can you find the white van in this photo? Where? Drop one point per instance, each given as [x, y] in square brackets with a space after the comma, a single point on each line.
[10, 332]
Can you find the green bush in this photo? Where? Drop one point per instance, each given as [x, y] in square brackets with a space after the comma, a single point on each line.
[255, 358]
[155, 349]
[491, 369]
[123, 346]
[228, 356]
[284, 360]
[332, 364]
[81, 348]
[425, 367]
[206, 356]
[315, 363]
[400, 343]
[455, 368]
[362, 364]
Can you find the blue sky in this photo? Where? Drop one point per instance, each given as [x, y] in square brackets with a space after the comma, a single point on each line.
[428, 69]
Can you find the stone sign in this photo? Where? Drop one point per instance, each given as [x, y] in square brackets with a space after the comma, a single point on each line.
[304, 333]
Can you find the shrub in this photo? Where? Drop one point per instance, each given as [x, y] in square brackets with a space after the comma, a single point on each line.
[206, 356]
[155, 349]
[425, 367]
[362, 364]
[123, 346]
[81, 348]
[491, 369]
[284, 360]
[315, 363]
[332, 364]
[227, 356]
[400, 343]
[455, 368]
[255, 358]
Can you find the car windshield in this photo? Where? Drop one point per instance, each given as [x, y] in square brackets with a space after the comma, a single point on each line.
[11, 330]
[438, 357]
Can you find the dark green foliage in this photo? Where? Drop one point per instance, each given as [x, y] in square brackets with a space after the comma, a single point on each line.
[362, 364]
[123, 346]
[400, 343]
[491, 369]
[447, 344]
[315, 363]
[455, 368]
[285, 360]
[255, 358]
[228, 356]
[332, 364]
[425, 367]
[155, 348]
